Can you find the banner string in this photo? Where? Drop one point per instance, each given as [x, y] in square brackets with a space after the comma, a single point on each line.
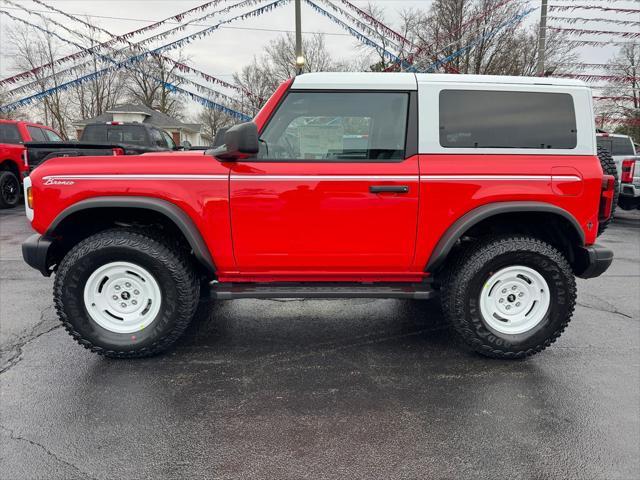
[136, 58]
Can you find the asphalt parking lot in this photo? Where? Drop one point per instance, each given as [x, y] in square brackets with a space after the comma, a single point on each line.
[321, 389]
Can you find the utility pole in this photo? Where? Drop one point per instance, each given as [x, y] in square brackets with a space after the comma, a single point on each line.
[299, 54]
[542, 38]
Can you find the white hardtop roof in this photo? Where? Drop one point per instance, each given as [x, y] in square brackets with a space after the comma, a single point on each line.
[409, 81]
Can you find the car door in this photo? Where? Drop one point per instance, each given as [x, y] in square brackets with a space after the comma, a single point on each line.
[334, 187]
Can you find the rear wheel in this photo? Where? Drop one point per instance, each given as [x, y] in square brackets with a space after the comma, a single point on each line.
[509, 297]
[9, 190]
[609, 168]
[126, 294]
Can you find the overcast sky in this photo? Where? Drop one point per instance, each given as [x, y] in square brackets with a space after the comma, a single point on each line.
[231, 47]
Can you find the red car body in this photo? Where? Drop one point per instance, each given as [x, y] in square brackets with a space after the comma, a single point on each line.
[325, 226]
[486, 191]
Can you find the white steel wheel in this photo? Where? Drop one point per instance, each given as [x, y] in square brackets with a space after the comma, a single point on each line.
[514, 300]
[122, 297]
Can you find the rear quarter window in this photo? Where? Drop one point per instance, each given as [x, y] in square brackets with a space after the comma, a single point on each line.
[507, 119]
[9, 133]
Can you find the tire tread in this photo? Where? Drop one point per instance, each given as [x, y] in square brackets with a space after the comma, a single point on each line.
[174, 259]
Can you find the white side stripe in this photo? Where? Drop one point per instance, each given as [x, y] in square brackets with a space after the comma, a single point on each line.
[136, 177]
[545, 178]
[423, 178]
[323, 177]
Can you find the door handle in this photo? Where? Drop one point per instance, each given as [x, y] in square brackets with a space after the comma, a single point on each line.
[389, 189]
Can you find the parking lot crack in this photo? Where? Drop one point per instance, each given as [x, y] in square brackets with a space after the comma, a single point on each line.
[611, 309]
[18, 345]
[18, 438]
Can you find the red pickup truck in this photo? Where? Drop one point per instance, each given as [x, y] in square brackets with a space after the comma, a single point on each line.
[486, 191]
[13, 165]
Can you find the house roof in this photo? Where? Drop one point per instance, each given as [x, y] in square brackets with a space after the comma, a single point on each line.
[152, 117]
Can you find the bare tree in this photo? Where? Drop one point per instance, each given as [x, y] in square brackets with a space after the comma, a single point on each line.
[622, 110]
[148, 82]
[213, 120]
[256, 83]
[280, 56]
[474, 36]
[98, 95]
[259, 79]
[33, 48]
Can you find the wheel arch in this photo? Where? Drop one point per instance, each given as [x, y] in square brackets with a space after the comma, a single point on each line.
[114, 208]
[10, 165]
[540, 216]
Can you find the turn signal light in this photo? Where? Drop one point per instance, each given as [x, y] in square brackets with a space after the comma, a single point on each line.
[628, 168]
[30, 197]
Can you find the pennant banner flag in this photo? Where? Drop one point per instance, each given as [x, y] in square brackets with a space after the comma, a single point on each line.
[84, 52]
[137, 58]
[622, 98]
[592, 7]
[514, 20]
[429, 48]
[361, 25]
[592, 78]
[362, 38]
[389, 33]
[81, 68]
[582, 31]
[599, 43]
[615, 21]
[171, 87]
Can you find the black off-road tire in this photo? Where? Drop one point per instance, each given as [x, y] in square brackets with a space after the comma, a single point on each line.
[9, 189]
[474, 265]
[609, 168]
[172, 269]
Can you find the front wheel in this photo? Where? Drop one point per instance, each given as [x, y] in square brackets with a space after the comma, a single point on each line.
[509, 297]
[9, 190]
[126, 294]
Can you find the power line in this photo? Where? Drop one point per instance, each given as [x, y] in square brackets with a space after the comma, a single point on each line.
[257, 29]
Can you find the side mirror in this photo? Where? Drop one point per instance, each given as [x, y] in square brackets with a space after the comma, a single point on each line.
[219, 140]
[239, 141]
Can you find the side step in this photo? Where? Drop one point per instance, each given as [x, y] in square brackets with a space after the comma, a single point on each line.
[229, 291]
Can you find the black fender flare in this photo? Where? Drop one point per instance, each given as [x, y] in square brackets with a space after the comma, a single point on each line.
[174, 213]
[475, 216]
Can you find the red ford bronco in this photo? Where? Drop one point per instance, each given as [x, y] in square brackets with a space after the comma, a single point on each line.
[486, 191]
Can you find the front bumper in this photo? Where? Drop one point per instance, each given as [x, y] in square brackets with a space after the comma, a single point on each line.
[592, 261]
[35, 251]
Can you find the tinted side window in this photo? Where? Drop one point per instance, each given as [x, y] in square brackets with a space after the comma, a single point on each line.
[94, 133]
[502, 119]
[9, 133]
[621, 146]
[37, 135]
[337, 126]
